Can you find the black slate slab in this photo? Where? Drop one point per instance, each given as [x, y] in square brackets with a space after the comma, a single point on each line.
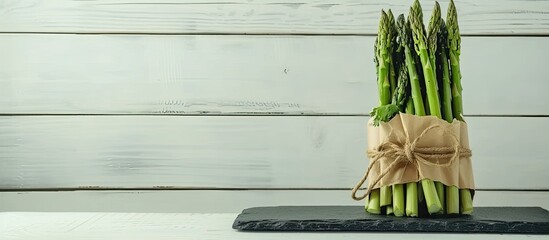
[530, 220]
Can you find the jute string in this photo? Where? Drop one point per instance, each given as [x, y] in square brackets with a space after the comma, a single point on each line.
[405, 152]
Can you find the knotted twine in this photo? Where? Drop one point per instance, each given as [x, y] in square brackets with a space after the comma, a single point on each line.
[406, 152]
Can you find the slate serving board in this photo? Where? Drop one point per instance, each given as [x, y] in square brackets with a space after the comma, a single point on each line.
[525, 220]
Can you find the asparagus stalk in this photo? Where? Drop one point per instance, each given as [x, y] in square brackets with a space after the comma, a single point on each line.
[412, 200]
[399, 102]
[386, 77]
[454, 41]
[415, 102]
[432, 36]
[385, 113]
[420, 194]
[389, 210]
[383, 59]
[386, 196]
[411, 188]
[415, 17]
[376, 62]
[445, 72]
[391, 36]
[466, 201]
[421, 47]
[440, 188]
[400, 99]
[404, 34]
[452, 192]
[373, 202]
[410, 106]
[398, 200]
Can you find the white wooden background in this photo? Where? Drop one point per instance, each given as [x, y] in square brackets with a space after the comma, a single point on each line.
[259, 95]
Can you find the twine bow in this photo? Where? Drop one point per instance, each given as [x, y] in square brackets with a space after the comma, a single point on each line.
[405, 152]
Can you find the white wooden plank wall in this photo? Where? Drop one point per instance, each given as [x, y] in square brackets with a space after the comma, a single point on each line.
[141, 94]
[237, 151]
[123, 74]
[487, 17]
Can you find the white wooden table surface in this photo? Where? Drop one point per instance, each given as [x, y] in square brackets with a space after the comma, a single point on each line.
[198, 214]
[81, 225]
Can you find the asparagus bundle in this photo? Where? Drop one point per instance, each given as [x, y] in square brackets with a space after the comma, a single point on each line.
[428, 83]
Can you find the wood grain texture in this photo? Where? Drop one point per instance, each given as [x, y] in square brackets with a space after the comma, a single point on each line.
[127, 74]
[489, 17]
[238, 152]
[141, 226]
[216, 201]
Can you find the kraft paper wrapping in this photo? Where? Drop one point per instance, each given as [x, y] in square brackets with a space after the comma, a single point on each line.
[402, 131]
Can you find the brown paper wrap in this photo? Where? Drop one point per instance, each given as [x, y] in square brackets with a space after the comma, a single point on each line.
[410, 148]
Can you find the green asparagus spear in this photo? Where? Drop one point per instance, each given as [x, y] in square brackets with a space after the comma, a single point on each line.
[386, 112]
[389, 210]
[404, 34]
[391, 35]
[466, 201]
[454, 41]
[398, 200]
[383, 58]
[412, 200]
[410, 106]
[375, 59]
[373, 202]
[434, 206]
[432, 36]
[421, 47]
[383, 114]
[400, 99]
[415, 102]
[446, 93]
[385, 51]
[452, 192]
[385, 196]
